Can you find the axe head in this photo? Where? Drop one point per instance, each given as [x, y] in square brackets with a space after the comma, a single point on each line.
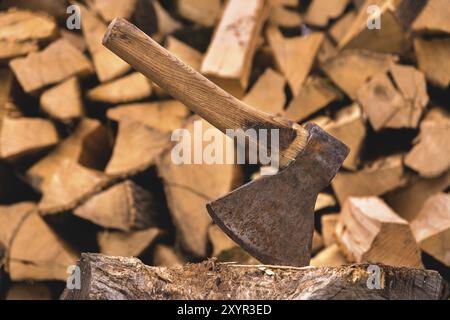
[272, 218]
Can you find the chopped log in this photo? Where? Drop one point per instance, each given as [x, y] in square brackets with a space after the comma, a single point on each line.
[137, 148]
[284, 18]
[165, 256]
[35, 252]
[185, 53]
[432, 57]
[87, 144]
[286, 3]
[130, 88]
[324, 201]
[107, 65]
[71, 185]
[23, 26]
[433, 18]
[375, 179]
[63, 102]
[11, 218]
[329, 223]
[369, 231]
[294, 56]
[166, 24]
[351, 68]
[430, 156]
[331, 256]
[127, 244]
[53, 8]
[408, 201]
[165, 116]
[125, 206]
[327, 51]
[350, 128]
[31, 292]
[10, 50]
[130, 279]
[109, 10]
[25, 136]
[317, 243]
[190, 187]
[431, 227]
[339, 29]
[320, 12]
[203, 12]
[314, 95]
[57, 62]
[268, 93]
[228, 61]
[75, 39]
[6, 85]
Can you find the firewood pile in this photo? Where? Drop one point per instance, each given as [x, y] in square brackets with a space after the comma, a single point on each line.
[85, 145]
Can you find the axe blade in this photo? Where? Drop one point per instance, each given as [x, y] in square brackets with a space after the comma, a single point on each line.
[272, 218]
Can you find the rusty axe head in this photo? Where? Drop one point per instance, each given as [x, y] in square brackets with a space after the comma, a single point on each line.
[273, 217]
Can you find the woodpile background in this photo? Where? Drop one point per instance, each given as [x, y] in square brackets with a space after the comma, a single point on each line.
[85, 141]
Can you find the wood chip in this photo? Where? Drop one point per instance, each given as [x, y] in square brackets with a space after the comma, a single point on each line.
[432, 57]
[320, 12]
[130, 88]
[125, 206]
[185, 53]
[329, 222]
[294, 56]
[228, 60]
[368, 230]
[431, 227]
[132, 244]
[433, 18]
[268, 93]
[375, 179]
[25, 136]
[203, 12]
[109, 10]
[314, 95]
[63, 102]
[57, 62]
[430, 156]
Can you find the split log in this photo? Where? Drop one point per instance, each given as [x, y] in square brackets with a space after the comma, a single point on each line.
[286, 3]
[351, 69]
[327, 51]
[431, 227]
[166, 24]
[34, 251]
[369, 231]
[109, 10]
[203, 12]
[408, 201]
[107, 65]
[125, 206]
[165, 256]
[127, 244]
[137, 148]
[320, 12]
[114, 278]
[294, 56]
[6, 84]
[350, 128]
[268, 93]
[189, 187]
[282, 17]
[165, 116]
[329, 223]
[228, 61]
[331, 256]
[430, 156]
[339, 29]
[57, 62]
[324, 201]
[10, 50]
[25, 136]
[375, 179]
[71, 185]
[75, 39]
[87, 144]
[63, 102]
[130, 88]
[185, 53]
[432, 58]
[315, 94]
[52, 8]
[433, 18]
[31, 292]
[317, 243]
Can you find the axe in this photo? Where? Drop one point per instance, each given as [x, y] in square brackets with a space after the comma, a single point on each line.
[273, 217]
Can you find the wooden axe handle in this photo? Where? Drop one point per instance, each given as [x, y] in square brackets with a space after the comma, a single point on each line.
[199, 94]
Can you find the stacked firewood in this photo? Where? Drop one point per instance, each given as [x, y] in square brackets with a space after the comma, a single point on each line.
[85, 141]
